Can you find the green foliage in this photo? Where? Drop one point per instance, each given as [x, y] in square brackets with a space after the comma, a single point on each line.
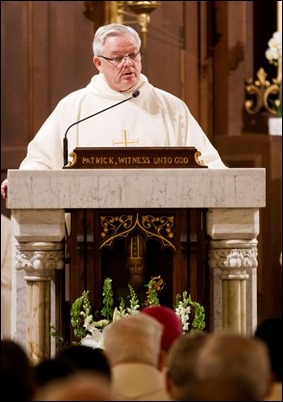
[56, 334]
[198, 323]
[183, 309]
[134, 303]
[80, 309]
[108, 301]
[155, 285]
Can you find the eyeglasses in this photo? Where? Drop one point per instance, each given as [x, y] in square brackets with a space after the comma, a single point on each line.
[119, 59]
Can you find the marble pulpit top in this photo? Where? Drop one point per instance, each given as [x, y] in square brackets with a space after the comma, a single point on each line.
[137, 188]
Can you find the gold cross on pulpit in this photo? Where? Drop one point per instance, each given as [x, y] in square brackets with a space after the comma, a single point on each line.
[125, 141]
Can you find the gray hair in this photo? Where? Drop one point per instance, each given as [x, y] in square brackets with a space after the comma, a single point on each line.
[112, 30]
[234, 357]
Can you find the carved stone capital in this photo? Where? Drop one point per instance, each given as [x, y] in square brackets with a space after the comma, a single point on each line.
[233, 257]
[39, 259]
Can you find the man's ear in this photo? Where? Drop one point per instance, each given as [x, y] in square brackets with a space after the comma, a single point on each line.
[168, 381]
[162, 360]
[97, 62]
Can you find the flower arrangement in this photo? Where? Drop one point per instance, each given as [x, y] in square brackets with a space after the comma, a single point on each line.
[90, 331]
[274, 51]
[274, 56]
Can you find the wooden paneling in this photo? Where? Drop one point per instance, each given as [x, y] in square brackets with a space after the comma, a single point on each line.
[46, 53]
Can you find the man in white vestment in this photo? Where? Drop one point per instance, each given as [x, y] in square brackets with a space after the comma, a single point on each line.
[150, 118]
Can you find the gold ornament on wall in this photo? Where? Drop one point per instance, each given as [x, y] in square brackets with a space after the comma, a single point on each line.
[122, 12]
[263, 93]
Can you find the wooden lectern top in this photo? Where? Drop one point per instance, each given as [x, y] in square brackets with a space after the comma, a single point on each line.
[135, 158]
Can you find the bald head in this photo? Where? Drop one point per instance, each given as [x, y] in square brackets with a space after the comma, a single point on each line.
[236, 357]
[133, 339]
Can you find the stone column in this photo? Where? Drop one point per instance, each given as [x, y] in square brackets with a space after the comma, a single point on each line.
[232, 264]
[38, 252]
[39, 261]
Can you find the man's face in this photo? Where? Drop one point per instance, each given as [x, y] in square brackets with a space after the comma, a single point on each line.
[125, 75]
[136, 268]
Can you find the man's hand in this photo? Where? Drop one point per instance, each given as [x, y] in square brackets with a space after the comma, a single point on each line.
[4, 189]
